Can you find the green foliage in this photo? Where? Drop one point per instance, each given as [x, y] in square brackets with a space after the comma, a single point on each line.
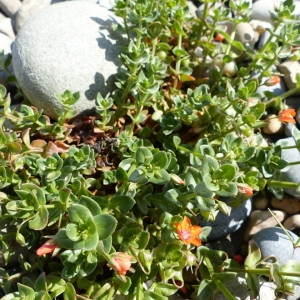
[176, 137]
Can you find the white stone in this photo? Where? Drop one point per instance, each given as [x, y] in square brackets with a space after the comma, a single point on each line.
[7, 28]
[261, 9]
[292, 174]
[273, 125]
[5, 43]
[290, 69]
[292, 222]
[261, 219]
[79, 53]
[9, 7]
[245, 34]
[28, 9]
[108, 3]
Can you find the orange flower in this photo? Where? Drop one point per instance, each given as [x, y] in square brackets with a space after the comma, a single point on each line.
[272, 81]
[247, 190]
[287, 115]
[188, 233]
[120, 262]
[219, 37]
[46, 248]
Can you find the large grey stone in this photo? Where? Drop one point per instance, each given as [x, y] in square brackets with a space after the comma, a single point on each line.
[292, 174]
[274, 242]
[224, 225]
[67, 46]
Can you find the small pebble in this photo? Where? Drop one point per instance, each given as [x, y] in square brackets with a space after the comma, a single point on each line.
[290, 69]
[260, 202]
[273, 125]
[229, 69]
[10, 7]
[261, 219]
[290, 205]
[292, 222]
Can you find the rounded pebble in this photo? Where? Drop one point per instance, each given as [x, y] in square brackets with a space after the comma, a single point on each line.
[292, 174]
[273, 125]
[288, 204]
[260, 219]
[274, 242]
[292, 222]
[260, 202]
[79, 53]
[224, 224]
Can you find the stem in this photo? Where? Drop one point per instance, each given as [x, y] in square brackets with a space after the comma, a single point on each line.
[274, 101]
[294, 163]
[278, 222]
[224, 290]
[178, 62]
[265, 272]
[283, 184]
[138, 260]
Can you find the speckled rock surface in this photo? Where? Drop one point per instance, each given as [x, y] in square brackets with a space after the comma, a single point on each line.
[292, 174]
[224, 224]
[79, 53]
[273, 241]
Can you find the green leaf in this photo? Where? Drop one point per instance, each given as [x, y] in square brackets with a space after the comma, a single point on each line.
[123, 285]
[228, 190]
[91, 204]
[160, 160]
[87, 242]
[3, 92]
[70, 293]
[105, 225]
[253, 285]
[206, 289]
[73, 232]
[238, 45]
[201, 189]
[257, 110]
[293, 267]
[254, 255]
[165, 289]
[32, 191]
[121, 175]
[79, 214]
[121, 203]
[26, 292]
[40, 221]
[159, 177]
[226, 172]
[143, 156]
[133, 234]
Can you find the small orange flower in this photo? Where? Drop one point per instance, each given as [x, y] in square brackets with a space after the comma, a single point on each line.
[46, 248]
[247, 190]
[188, 233]
[120, 262]
[219, 37]
[287, 115]
[273, 81]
